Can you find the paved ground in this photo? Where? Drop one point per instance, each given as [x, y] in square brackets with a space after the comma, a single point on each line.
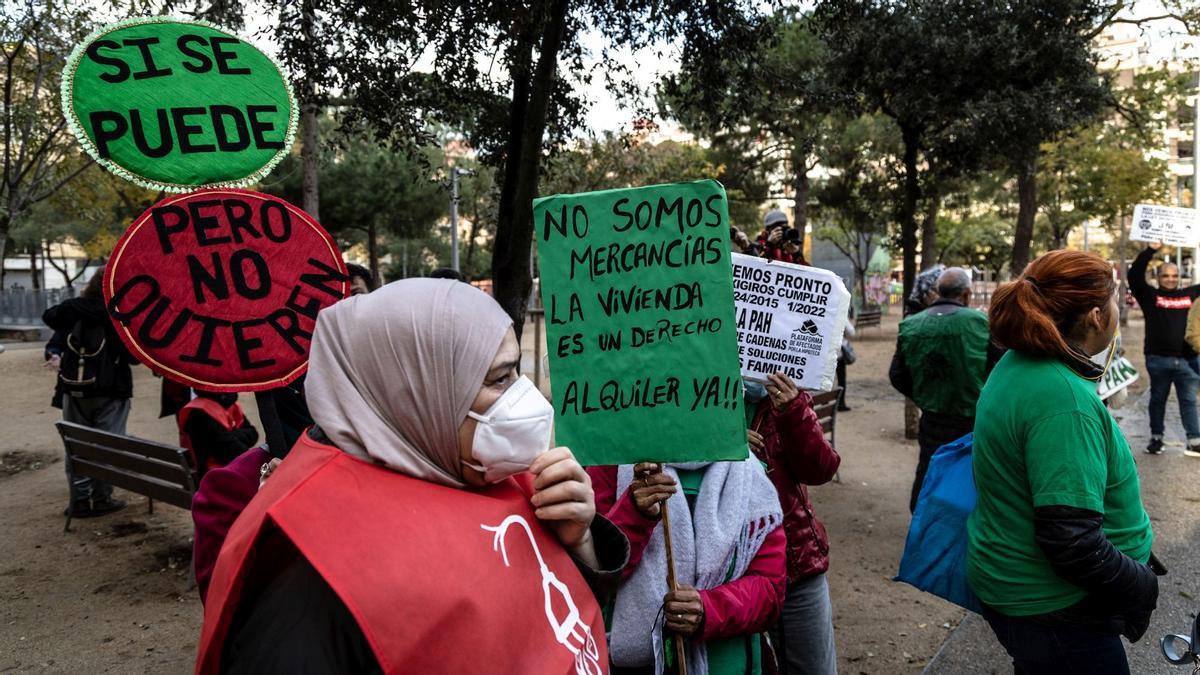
[1171, 491]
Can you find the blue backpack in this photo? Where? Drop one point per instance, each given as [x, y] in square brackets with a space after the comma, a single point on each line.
[935, 553]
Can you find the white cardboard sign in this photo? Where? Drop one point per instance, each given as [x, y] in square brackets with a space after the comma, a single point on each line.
[1168, 224]
[790, 318]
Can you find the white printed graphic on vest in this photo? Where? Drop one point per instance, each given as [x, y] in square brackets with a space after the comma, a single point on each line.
[1173, 303]
[570, 632]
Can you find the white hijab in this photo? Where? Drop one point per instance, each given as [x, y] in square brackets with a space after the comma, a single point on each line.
[392, 374]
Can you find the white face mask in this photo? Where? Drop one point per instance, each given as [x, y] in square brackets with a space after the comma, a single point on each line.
[1104, 358]
[514, 431]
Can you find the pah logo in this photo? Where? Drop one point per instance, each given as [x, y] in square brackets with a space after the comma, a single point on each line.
[803, 336]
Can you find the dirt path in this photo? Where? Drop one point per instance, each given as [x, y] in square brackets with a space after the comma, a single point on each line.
[112, 594]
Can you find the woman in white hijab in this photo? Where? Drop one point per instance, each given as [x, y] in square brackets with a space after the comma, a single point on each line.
[423, 525]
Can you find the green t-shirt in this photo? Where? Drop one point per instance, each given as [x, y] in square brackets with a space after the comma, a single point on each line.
[1044, 438]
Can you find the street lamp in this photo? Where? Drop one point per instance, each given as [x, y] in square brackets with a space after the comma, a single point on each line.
[455, 172]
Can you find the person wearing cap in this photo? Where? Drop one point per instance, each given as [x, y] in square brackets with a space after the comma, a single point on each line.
[770, 242]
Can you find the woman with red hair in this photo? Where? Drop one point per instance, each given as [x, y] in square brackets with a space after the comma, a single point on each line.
[1059, 542]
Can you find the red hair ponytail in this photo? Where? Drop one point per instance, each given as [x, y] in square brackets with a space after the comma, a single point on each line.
[1035, 312]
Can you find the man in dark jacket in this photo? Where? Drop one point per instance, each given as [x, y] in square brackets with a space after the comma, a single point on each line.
[94, 385]
[1168, 356]
[943, 356]
[786, 434]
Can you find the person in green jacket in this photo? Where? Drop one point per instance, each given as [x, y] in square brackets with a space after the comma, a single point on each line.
[942, 358]
[1058, 546]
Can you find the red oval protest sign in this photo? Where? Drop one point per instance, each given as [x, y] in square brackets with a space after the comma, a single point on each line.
[220, 289]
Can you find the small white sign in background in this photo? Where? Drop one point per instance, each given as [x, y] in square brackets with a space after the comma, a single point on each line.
[1168, 224]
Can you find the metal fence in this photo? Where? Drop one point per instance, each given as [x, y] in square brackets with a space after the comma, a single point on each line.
[24, 307]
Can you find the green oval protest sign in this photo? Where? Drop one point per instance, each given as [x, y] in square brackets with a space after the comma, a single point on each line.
[178, 105]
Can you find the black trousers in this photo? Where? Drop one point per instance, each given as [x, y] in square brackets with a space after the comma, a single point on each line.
[1037, 648]
[933, 432]
[841, 381]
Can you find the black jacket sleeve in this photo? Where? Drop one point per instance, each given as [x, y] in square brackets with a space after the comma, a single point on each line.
[1137, 275]
[56, 345]
[1073, 541]
[612, 552]
[899, 374]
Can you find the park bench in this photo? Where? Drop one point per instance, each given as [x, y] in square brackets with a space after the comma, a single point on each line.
[155, 470]
[868, 317]
[824, 404]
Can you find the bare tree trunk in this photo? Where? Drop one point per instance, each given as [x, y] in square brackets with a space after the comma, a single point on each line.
[800, 185]
[308, 155]
[3, 252]
[308, 124]
[908, 208]
[471, 245]
[35, 277]
[1027, 199]
[373, 254]
[1123, 268]
[48, 257]
[514, 228]
[929, 228]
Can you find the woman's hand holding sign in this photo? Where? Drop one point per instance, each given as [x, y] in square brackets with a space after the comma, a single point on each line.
[651, 487]
[782, 390]
[684, 610]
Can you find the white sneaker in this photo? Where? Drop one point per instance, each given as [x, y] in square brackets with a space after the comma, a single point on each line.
[1192, 451]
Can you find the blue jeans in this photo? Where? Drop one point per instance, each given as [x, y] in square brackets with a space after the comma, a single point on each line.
[805, 632]
[1165, 371]
[1041, 649]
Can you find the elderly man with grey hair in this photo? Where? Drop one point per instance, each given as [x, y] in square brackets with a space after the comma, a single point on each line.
[943, 356]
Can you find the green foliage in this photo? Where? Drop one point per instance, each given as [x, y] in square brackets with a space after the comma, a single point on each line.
[855, 200]
[371, 194]
[36, 148]
[766, 98]
[982, 240]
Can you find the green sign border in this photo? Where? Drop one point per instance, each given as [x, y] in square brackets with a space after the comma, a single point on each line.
[68, 108]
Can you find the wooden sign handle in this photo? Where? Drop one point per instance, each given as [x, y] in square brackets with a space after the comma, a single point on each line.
[680, 649]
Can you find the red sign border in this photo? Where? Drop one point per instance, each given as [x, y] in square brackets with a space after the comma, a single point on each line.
[169, 373]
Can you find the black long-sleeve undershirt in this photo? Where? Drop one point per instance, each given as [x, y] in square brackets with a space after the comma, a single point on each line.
[1074, 543]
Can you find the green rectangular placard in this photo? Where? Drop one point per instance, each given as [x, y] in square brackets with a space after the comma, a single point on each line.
[638, 292]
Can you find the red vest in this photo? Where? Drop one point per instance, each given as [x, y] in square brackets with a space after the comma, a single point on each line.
[231, 418]
[439, 580]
